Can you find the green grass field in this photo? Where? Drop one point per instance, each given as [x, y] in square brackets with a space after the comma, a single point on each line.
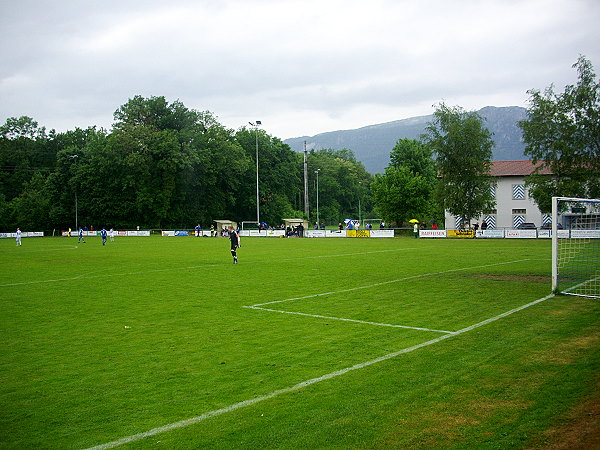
[314, 343]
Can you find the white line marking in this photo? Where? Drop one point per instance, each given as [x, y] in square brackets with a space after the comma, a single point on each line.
[107, 275]
[583, 283]
[383, 283]
[318, 316]
[253, 401]
[359, 253]
[51, 248]
[202, 266]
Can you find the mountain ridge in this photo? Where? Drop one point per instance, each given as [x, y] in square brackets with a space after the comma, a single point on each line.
[372, 144]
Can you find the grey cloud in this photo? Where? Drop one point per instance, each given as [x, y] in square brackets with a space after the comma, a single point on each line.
[304, 65]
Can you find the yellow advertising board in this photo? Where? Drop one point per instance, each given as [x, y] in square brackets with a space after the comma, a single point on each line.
[461, 233]
[359, 233]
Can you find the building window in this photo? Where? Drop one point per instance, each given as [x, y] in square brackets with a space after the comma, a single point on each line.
[490, 222]
[519, 211]
[518, 191]
[493, 190]
[518, 220]
[547, 220]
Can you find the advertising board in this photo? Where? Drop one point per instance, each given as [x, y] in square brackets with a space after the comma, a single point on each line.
[520, 234]
[336, 233]
[432, 233]
[466, 234]
[262, 233]
[358, 233]
[24, 234]
[583, 234]
[382, 233]
[489, 234]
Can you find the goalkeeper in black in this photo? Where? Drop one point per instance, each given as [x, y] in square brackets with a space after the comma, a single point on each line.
[235, 243]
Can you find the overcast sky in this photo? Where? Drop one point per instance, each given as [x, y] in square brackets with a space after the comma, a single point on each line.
[301, 67]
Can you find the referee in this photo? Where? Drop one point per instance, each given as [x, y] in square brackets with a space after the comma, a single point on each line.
[235, 243]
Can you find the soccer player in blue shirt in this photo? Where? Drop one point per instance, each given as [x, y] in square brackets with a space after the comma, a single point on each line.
[80, 238]
[103, 233]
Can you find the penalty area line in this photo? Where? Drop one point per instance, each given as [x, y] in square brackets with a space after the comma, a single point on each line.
[297, 387]
[365, 322]
[383, 283]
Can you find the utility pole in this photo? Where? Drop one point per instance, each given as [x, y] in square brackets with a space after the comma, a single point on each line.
[306, 210]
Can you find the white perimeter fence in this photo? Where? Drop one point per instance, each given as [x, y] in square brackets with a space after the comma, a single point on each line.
[479, 234]
[510, 234]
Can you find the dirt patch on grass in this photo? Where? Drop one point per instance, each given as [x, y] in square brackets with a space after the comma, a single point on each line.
[486, 407]
[433, 430]
[436, 428]
[581, 430]
[567, 351]
[529, 278]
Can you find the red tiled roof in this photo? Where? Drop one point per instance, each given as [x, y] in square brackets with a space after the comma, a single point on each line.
[516, 168]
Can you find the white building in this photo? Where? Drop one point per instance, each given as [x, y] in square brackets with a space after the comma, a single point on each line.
[513, 204]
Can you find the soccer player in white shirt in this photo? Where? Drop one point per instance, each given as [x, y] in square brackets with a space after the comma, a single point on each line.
[18, 238]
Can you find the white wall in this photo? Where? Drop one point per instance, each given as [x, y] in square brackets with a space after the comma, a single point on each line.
[505, 205]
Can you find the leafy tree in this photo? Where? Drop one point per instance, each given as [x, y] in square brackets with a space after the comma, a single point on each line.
[463, 147]
[415, 156]
[6, 220]
[343, 184]
[22, 127]
[163, 165]
[31, 207]
[563, 132]
[185, 167]
[400, 194]
[153, 112]
[279, 177]
[406, 188]
[214, 181]
[25, 148]
[69, 178]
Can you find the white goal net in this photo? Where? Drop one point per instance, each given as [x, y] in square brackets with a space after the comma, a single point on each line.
[576, 246]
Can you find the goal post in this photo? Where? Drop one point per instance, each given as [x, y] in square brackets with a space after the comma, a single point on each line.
[576, 246]
[250, 225]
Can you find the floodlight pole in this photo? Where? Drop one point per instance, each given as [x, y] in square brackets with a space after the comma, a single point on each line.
[76, 222]
[256, 125]
[306, 205]
[317, 172]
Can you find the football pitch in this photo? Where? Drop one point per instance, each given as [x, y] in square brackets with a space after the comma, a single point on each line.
[162, 342]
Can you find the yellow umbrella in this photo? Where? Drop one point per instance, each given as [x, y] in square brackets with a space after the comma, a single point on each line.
[413, 221]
